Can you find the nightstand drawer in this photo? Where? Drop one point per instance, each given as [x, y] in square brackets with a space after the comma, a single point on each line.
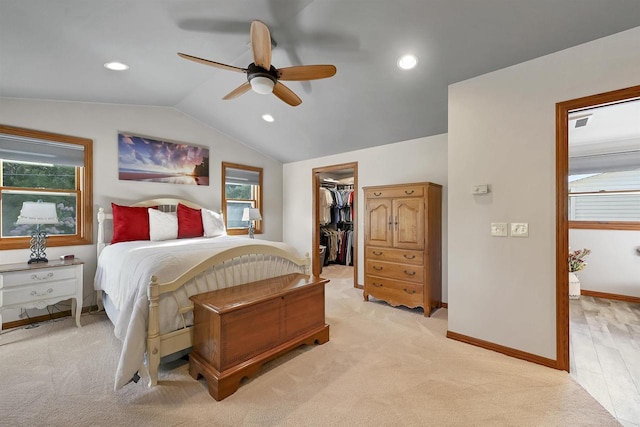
[35, 276]
[42, 291]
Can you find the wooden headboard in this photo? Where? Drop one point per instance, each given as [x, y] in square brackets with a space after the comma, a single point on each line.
[164, 204]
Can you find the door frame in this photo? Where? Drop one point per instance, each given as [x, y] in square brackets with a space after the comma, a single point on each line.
[315, 259]
[562, 216]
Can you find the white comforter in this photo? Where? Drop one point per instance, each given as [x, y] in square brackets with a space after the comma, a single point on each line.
[123, 272]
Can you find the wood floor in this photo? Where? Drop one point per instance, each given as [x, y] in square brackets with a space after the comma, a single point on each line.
[605, 354]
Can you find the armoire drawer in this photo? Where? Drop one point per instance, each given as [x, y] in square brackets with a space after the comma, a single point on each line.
[408, 272]
[405, 256]
[408, 191]
[394, 292]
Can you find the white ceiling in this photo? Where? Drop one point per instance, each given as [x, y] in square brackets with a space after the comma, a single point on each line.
[55, 49]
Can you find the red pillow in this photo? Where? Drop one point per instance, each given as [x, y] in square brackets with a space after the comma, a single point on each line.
[130, 223]
[189, 222]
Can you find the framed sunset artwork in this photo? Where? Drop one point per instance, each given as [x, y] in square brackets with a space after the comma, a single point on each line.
[141, 158]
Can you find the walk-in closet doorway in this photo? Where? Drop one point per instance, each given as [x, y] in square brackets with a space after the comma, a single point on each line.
[335, 234]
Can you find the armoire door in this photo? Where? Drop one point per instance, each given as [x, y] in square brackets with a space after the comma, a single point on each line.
[408, 223]
[378, 227]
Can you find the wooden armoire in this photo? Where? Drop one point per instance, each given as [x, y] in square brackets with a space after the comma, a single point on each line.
[403, 245]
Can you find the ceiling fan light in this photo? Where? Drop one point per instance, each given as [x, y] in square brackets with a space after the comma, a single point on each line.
[262, 85]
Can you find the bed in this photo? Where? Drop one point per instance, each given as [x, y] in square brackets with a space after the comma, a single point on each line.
[144, 285]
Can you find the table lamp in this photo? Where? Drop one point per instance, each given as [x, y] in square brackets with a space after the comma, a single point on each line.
[251, 215]
[38, 213]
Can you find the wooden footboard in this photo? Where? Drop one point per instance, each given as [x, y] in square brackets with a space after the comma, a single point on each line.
[232, 267]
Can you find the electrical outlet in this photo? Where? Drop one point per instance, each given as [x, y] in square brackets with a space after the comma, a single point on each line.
[499, 229]
[520, 229]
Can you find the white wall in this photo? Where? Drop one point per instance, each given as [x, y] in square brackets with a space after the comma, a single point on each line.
[613, 265]
[502, 133]
[418, 160]
[101, 123]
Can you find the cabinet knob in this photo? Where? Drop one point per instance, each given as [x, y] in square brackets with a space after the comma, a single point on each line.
[410, 273]
[376, 253]
[409, 256]
[409, 292]
[376, 285]
[375, 267]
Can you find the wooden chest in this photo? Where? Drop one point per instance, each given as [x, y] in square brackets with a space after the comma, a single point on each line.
[238, 329]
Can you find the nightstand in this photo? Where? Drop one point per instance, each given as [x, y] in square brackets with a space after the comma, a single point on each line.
[39, 285]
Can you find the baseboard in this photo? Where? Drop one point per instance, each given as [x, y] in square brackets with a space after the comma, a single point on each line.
[43, 318]
[508, 351]
[606, 295]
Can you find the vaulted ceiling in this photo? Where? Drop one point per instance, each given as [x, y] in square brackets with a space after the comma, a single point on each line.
[56, 50]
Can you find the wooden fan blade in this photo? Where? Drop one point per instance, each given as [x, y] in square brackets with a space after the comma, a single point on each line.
[212, 63]
[286, 94]
[243, 88]
[261, 44]
[306, 72]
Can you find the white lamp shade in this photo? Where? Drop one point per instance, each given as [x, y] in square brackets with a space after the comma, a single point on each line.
[250, 214]
[262, 85]
[38, 213]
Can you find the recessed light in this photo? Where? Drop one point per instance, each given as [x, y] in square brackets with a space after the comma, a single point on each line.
[268, 118]
[116, 66]
[407, 62]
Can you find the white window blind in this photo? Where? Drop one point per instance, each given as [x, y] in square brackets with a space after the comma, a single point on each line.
[24, 149]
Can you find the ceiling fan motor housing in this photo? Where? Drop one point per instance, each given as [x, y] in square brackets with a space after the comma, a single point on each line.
[254, 71]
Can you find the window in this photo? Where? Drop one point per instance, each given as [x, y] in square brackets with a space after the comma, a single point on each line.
[48, 167]
[242, 189]
[607, 200]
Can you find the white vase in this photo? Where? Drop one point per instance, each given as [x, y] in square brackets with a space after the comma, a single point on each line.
[574, 286]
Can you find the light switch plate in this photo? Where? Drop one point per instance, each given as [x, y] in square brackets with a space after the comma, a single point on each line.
[480, 189]
[520, 229]
[499, 229]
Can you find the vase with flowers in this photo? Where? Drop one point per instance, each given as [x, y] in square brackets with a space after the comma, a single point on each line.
[576, 263]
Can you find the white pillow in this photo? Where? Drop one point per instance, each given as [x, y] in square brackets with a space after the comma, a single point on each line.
[212, 223]
[162, 225]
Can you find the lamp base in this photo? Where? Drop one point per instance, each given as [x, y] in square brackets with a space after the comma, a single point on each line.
[38, 246]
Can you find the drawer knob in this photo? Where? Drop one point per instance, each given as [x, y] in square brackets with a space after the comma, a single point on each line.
[376, 285]
[377, 194]
[375, 267]
[410, 292]
[409, 256]
[36, 294]
[408, 192]
[410, 273]
[36, 277]
[376, 253]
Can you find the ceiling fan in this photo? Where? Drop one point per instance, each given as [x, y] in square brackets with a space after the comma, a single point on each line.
[263, 77]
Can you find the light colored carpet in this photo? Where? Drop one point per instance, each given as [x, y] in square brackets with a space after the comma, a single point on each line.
[383, 366]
